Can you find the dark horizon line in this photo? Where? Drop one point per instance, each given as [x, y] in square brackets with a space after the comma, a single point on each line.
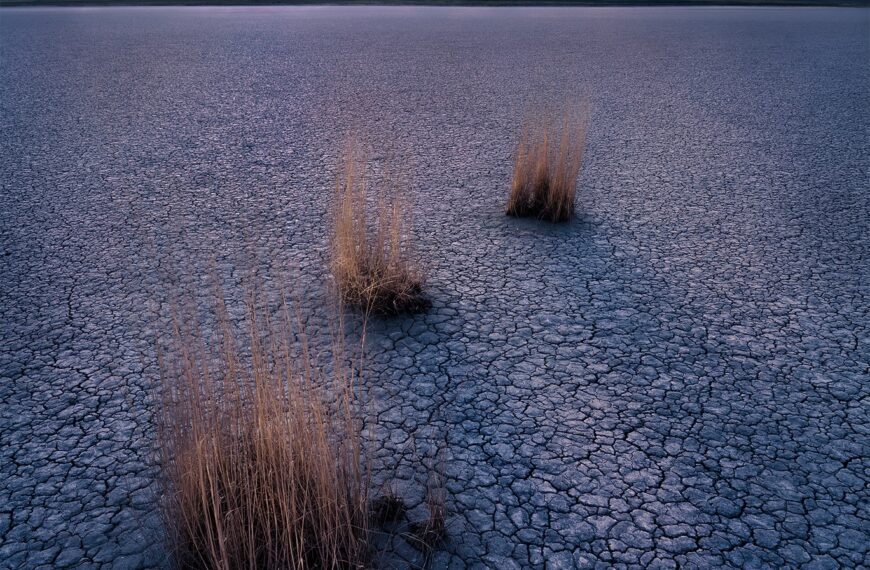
[477, 3]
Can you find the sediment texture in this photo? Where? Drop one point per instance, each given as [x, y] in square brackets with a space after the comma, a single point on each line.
[678, 377]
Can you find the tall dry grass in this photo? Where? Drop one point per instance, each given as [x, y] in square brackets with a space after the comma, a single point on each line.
[261, 450]
[546, 167]
[371, 258]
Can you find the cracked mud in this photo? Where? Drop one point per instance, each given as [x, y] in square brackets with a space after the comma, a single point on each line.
[677, 378]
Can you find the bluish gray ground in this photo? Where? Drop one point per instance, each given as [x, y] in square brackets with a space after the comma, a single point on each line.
[679, 377]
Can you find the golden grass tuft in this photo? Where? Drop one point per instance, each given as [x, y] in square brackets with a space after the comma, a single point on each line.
[261, 453]
[546, 167]
[370, 251]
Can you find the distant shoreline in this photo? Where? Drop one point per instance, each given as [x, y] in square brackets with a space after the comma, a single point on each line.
[456, 3]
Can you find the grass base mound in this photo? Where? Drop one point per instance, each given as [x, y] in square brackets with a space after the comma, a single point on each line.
[261, 452]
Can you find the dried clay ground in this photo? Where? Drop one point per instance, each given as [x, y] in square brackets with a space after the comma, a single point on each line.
[677, 377]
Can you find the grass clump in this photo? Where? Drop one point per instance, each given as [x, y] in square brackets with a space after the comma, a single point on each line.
[429, 533]
[370, 252]
[546, 167]
[261, 453]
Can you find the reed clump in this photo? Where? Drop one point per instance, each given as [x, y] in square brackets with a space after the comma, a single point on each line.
[546, 167]
[261, 452]
[371, 250]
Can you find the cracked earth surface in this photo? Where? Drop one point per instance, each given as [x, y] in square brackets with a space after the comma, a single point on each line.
[677, 378]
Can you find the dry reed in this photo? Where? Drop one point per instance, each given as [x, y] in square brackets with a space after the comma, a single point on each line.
[370, 251]
[261, 450]
[545, 173]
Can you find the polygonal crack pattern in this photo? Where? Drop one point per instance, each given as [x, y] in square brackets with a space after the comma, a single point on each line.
[676, 378]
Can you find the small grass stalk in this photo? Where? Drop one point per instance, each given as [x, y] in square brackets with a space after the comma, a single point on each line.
[546, 168]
